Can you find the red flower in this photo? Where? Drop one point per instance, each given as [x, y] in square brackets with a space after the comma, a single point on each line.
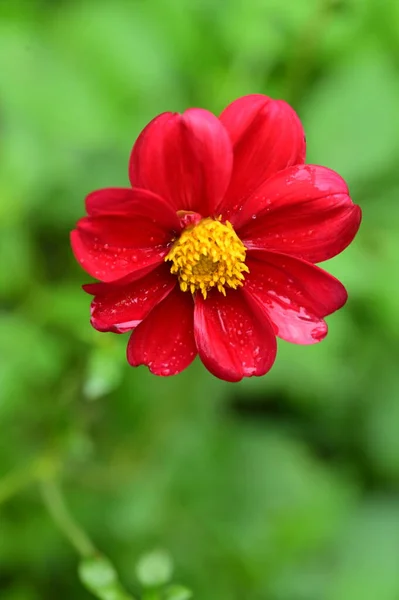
[212, 249]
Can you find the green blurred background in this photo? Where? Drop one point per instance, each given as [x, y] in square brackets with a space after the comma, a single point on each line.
[279, 488]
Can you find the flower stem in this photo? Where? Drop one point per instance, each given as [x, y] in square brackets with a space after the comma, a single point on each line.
[59, 511]
[14, 482]
[96, 572]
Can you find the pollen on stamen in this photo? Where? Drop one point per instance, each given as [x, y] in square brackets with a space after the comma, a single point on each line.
[208, 255]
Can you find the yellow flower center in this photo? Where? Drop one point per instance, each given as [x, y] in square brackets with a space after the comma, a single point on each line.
[208, 255]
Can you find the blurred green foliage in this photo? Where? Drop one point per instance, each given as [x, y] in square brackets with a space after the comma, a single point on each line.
[279, 488]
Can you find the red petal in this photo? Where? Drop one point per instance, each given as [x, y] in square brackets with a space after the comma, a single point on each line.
[187, 159]
[127, 202]
[295, 294]
[109, 201]
[119, 307]
[304, 211]
[116, 201]
[164, 341]
[234, 339]
[111, 246]
[267, 136]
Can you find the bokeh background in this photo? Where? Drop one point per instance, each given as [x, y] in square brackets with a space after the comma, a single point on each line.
[279, 488]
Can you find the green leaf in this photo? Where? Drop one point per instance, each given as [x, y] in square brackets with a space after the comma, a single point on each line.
[99, 576]
[177, 592]
[97, 573]
[154, 569]
[105, 368]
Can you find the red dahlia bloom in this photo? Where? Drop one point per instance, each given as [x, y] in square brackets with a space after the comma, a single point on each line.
[212, 249]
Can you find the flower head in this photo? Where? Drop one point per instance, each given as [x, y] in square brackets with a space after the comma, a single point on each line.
[212, 249]
[208, 255]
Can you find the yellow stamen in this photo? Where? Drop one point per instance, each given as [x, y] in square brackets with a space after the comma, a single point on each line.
[208, 255]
